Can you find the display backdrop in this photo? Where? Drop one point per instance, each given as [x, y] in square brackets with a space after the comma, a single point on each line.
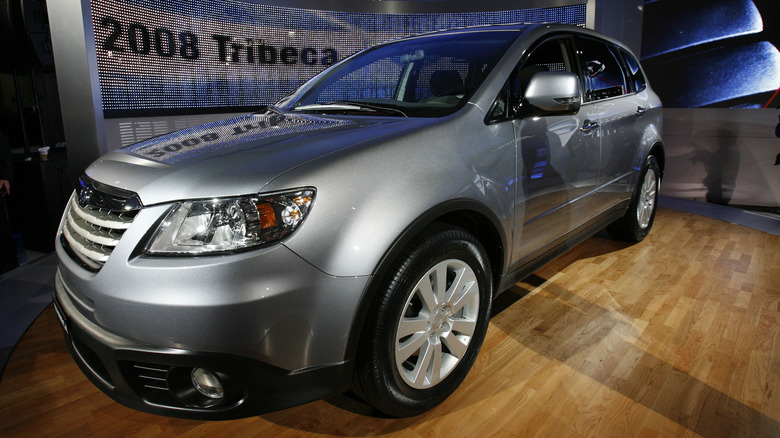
[196, 56]
[716, 54]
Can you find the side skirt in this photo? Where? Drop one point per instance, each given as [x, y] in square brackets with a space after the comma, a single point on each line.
[536, 260]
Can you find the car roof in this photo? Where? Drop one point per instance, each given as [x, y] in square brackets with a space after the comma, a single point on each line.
[519, 27]
[533, 28]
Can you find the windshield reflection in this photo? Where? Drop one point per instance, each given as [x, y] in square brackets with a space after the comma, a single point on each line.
[427, 76]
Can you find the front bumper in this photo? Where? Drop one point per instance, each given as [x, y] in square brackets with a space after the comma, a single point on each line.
[272, 327]
[156, 379]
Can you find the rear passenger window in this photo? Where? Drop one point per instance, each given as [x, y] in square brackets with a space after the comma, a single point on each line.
[635, 75]
[601, 68]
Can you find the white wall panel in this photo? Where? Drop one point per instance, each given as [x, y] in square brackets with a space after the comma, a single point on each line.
[722, 156]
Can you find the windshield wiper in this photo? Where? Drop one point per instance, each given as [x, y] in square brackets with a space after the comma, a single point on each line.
[349, 105]
[374, 106]
[270, 108]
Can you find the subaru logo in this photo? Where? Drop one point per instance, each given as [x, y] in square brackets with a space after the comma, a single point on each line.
[85, 195]
[94, 194]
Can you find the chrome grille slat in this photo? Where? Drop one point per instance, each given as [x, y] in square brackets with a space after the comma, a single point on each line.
[91, 233]
[94, 234]
[101, 218]
[152, 377]
[158, 379]
[82, 258]
[157, 388]
[85, 247]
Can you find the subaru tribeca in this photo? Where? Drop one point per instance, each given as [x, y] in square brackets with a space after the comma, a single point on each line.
[353, 235]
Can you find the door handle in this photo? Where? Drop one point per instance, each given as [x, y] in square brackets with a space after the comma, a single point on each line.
[640, 110]
[588, 126]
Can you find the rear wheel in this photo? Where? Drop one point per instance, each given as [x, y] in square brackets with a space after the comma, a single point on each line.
[636, 224]
[427, 324]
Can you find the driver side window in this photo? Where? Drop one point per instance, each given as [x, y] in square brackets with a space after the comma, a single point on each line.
[551, 55]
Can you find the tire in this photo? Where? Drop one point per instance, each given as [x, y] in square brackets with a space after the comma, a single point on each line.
[636, 223]
[420, 341]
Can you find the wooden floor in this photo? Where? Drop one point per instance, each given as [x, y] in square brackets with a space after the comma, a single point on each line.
[676, 336]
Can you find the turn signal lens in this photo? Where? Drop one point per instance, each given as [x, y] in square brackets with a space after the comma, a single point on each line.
[267, 215]
[302, 200]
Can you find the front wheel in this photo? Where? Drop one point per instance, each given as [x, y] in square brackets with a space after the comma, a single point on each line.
[636, 224]
[427, 324]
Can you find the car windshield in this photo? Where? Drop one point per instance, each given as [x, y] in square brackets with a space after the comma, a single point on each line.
[428, 76]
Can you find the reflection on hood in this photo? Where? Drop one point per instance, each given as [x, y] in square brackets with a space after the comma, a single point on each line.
[234, 134]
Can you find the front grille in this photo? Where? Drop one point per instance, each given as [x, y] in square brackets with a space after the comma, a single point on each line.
[93, 228]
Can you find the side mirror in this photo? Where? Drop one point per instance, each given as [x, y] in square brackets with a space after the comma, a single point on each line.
[554, 92]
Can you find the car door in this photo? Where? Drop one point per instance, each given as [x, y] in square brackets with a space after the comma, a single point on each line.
[617, 108]
[558, 158]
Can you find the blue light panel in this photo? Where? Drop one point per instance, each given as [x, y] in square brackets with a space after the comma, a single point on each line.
[181, 55]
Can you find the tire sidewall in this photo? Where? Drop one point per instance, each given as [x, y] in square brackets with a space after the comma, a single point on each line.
[650, 164]
[440, 246]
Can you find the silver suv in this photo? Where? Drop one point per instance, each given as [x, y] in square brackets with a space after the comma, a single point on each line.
[354, 234]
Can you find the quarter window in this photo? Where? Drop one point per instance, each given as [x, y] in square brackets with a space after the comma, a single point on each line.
[635, 75]
[601, 69]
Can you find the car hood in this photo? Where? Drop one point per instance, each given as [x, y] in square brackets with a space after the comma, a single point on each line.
[236, 156]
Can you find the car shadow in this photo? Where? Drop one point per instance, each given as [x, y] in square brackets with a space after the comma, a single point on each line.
[573, 329]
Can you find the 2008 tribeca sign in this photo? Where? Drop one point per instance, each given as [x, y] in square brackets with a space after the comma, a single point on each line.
[139, 39]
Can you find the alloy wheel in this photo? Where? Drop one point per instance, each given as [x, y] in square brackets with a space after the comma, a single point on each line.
[437, 323]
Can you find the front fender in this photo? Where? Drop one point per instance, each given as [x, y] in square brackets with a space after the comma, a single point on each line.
[371, 195]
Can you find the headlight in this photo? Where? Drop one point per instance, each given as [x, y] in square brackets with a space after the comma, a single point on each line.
[230, 224]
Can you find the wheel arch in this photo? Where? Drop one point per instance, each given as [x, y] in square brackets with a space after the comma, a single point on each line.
[657, 150]
[466, 214]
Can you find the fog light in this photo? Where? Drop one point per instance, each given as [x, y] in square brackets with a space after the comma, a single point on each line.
[207, 383]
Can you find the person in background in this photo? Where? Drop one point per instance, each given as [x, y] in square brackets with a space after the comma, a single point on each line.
[8, 260]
